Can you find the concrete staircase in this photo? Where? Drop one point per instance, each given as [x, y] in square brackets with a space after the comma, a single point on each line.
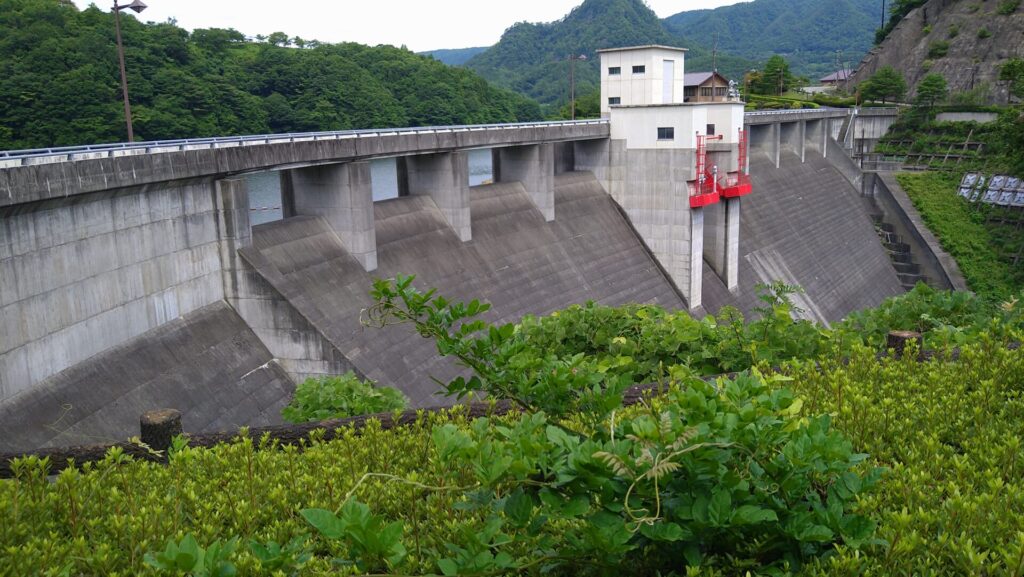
[907, 269]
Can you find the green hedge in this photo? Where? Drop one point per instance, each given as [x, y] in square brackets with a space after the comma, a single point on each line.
[766, 474]
[776, 102]
[948, 432]
[952, 502]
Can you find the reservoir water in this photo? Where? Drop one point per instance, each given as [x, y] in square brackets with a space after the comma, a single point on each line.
[265, 187]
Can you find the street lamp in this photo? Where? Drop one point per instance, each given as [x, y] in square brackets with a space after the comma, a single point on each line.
[138, 7]
[572, 82]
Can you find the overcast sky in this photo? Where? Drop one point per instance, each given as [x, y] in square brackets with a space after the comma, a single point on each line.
[418, 24]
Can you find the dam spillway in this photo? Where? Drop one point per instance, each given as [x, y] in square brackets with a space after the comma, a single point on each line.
[809, 228]
[516, 261]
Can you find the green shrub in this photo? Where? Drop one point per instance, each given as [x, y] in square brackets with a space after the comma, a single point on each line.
[945, 318]
[190, 558]
[779, 102]
[835, 101]
[952, 501]
[319, 399]
[938, 49]
[953, 30]
[1007, 7]
[948, 433]
[983, 33]
[758, 473]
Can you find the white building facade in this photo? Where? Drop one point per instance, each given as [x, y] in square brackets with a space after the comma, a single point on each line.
[670, 163]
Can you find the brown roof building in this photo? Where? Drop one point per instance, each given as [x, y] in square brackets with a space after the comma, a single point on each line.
[705, 87]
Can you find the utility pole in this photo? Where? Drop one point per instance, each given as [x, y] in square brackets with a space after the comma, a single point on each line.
[572, 83]
[714, 67]
[882, 26]
[138, 7]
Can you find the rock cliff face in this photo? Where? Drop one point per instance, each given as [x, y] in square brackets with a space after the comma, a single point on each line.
[964, 40]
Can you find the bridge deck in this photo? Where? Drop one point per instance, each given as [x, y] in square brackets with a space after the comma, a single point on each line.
[41, 175]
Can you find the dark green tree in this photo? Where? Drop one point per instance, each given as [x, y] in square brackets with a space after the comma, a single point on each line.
[1012, 72]
[279, 39]
[931, 90]
[885, 85]
[775, 77]
[587, 106]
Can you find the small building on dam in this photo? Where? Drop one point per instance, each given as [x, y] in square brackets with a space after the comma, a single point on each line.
[133, 277]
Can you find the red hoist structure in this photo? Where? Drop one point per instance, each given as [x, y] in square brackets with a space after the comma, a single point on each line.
[708, 189]
[704, 190]
[737, 184]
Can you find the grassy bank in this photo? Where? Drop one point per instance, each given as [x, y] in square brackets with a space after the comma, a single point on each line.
[969, 233]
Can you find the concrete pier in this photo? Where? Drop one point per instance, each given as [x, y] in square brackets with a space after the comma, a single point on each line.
[694, 276]
[342, 194]
[815, 133]
[445, 178]
[732, 242]
[792, 138]
[534, 167]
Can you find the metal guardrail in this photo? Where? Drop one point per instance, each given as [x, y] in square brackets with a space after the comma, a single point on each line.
[802, 111]
[872, 111]
[13, 158]
[69, 153]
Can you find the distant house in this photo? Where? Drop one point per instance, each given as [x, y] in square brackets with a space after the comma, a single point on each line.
[705, 87]
[836, 77]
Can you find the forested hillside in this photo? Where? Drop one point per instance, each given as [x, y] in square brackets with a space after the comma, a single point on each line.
[532, 58]
[454, 56]
[808, 33]
[60, 82]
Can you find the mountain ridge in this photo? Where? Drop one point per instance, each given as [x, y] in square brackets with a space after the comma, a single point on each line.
[802, 31]
[532, 58]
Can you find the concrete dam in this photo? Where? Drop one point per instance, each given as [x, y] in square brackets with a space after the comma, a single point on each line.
[132, 279]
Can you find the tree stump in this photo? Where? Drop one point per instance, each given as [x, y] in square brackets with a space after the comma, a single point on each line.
[897, 341]
[158, 427]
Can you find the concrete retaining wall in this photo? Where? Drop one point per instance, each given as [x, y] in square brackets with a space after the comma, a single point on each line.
[979, 117]
[846, 166]
[79, 276]
[207, 364]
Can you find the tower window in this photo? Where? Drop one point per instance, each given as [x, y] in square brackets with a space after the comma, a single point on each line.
[639, 69]
[666, 133]
[614, 100]
[711, 130]
[614, 71]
